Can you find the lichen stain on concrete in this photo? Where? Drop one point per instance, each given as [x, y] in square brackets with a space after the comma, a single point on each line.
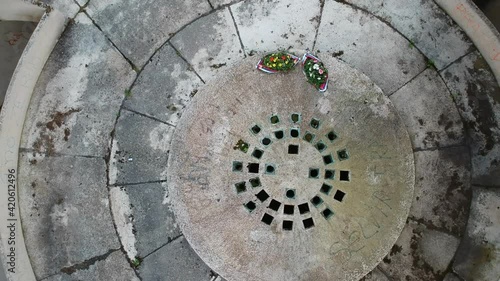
[159, 138]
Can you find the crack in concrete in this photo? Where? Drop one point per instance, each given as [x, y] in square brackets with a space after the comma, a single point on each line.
[137, 183]
[170, 240]
[148, 116]
[322, 6]
[237, 32]
[56, 154]
[87, 263]
[190, 67]
[210, 3]
[418, 149]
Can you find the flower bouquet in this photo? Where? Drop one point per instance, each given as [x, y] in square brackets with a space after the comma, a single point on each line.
[277, 62]
[315, 71]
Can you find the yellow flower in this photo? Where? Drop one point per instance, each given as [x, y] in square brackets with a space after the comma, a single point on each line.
[280, 65]
[274, 65]
[286, 61]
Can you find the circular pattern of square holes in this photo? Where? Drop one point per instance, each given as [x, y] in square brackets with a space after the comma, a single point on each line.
[262, 196]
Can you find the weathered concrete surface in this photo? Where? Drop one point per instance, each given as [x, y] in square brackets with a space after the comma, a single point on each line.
[266, 26]
[427, 27]
[451, 277]
[164, 87]
[111, 266]
[369, 45]
[442, 189]
[68, 7]
[420, 254]
[140, 149]
[141, 27]
[65, 211]
[375, 275]
[175, 261]
[210, 44]
[479, 254]
[218, 3]
[477, 95]
[427, 108]
[78, 94]
[154, 221]
[202, 175]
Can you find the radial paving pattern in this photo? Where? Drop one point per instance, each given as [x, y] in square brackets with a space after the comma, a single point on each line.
[93, 165]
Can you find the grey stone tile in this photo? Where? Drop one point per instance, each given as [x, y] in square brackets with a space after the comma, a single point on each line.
[427, 108]
[477, 95]
[478, 256]
[164, 87]
[112, 267]
[78, 94]
[266, 26]
[154, 221]
[428, 27]
[68, 7]
[210, 44]
[174, 262]
[442, 189]
[138, 28]
[420, 254]
[65, 211]
[369, 45]
[375, 275]
[140, 149]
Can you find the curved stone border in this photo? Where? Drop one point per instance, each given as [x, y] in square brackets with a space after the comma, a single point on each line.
[12, 118]
[479, 29]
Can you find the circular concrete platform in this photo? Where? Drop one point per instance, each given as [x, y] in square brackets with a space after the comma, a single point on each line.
[272, 180]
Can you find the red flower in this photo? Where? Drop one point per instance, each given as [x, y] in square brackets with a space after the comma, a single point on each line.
[271, 59]
[283, 57]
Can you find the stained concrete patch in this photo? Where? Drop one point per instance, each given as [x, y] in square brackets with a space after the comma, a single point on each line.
[141, 27]
[142, 147]
[369, 45]
[427, 27]
[154, 222]
[78, 94]
[479, 254]
[164, 87]
[68, 7]
[426, 106]
[266, 26]
[420, 254]
[173, 262]
[65, 211]
[210, 44]
[112, 267]
[442, 189]
[477, 95]
[375, 275]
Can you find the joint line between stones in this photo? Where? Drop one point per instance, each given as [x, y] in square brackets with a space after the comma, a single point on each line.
[210, 3]
[186, 61]
[439, 148]
[136, 183]
[457, 60]
[237, 31]
[157, 249]
[148, 116]
[87, 263]
[408, 82]
[322, 6]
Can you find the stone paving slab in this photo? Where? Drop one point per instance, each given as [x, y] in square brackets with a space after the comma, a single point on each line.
[477, 95]
[175, 262]
[479, 254]
[210, 44]
[427, 108]
[266, 26]
[139, 28]
[78, 94]
[428, 27]
[112, 267]
[369, 45]
[140, 149]
[65, 211]
[164, 87]
[442, 189]
[420, 254]
[154, 221]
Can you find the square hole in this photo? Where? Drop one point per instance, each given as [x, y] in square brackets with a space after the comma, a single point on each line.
[327, 159]
[345, 176]
[316, 201]
[253, 168]
[329, 174]
[270, 169]
[237, 166]
[255, 182]
[288, 209]
[250, 206]
[266, 141]
[339, 195]
[279, 134]
[288, 225]
[325, 188]
[343, 154]
[293, 149]
[257, 153]
[240, 187]
[274, 119]
[304, 208]
[327, 213]
[332, 136]
[320, 146]
[255, 129]
[309, 137]
[315, 123]
[313, 173]
[295, 117]
[267, 219]
[274, 205]
[308, 223]
[290, 193]
[262, 195]
[295, 133]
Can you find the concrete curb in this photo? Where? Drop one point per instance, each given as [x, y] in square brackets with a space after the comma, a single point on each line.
[16, 10]
[479, 29]
[12, 117]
